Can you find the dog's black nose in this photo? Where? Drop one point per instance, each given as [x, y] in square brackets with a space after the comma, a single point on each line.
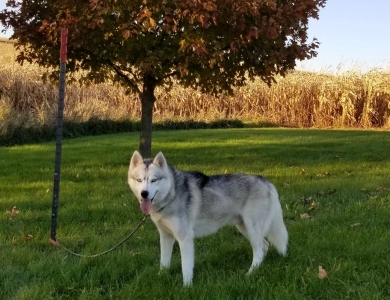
[144, 194]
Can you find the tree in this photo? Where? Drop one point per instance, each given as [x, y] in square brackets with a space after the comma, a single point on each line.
[212, 45]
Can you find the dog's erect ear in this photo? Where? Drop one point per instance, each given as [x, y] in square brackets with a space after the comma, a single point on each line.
[136, 159]
[160, 160]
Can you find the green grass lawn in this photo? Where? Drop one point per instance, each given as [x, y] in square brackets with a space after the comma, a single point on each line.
[335, 192]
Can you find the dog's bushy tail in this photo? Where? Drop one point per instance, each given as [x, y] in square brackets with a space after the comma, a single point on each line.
[277, 234]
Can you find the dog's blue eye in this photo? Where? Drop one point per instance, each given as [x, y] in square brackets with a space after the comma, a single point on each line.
[153, 180]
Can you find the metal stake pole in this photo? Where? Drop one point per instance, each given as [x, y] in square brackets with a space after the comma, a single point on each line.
[60, 122]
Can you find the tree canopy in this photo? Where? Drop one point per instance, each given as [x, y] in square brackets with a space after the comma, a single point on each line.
[212, 45]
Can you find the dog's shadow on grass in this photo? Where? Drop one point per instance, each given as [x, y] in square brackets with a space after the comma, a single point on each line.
[226, 253]
[211, 252]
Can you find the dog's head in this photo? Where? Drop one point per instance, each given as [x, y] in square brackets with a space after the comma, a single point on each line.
[149, 180]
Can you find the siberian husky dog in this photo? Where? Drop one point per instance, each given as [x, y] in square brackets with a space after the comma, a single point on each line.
[184, 205]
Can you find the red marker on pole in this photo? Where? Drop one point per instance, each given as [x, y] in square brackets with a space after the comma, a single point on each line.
[64, 44]
[60, 122]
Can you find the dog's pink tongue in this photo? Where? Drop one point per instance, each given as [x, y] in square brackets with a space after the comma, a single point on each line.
[146, 206]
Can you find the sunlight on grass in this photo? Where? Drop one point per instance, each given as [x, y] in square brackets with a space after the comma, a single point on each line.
[335, 192]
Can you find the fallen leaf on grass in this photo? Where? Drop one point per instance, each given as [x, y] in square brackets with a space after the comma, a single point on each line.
[305, 216]
[14, 212]
[28, 237]
[313, 206]
[322, 273]
[302, 172]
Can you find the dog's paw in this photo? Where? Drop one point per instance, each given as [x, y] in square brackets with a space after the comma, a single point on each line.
[187, 283]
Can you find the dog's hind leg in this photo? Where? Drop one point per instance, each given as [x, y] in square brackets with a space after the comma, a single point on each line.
[241, 228]
[166, 244]
[258, 243]
[258, 255]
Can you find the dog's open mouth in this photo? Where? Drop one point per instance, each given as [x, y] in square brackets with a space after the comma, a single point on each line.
[146, 204]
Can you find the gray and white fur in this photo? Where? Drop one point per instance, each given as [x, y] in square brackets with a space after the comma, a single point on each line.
[184, 205]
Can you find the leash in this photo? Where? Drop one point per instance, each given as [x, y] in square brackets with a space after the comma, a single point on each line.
[56, 243]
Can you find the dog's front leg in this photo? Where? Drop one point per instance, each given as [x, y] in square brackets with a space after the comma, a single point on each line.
[166, 245]
[187, 259]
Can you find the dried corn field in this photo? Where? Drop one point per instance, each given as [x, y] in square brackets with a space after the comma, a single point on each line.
[301, 99]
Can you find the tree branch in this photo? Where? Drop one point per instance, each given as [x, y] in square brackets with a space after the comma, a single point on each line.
[122, 75]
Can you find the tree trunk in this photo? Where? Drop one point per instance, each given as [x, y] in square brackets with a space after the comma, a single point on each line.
[147, 102]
